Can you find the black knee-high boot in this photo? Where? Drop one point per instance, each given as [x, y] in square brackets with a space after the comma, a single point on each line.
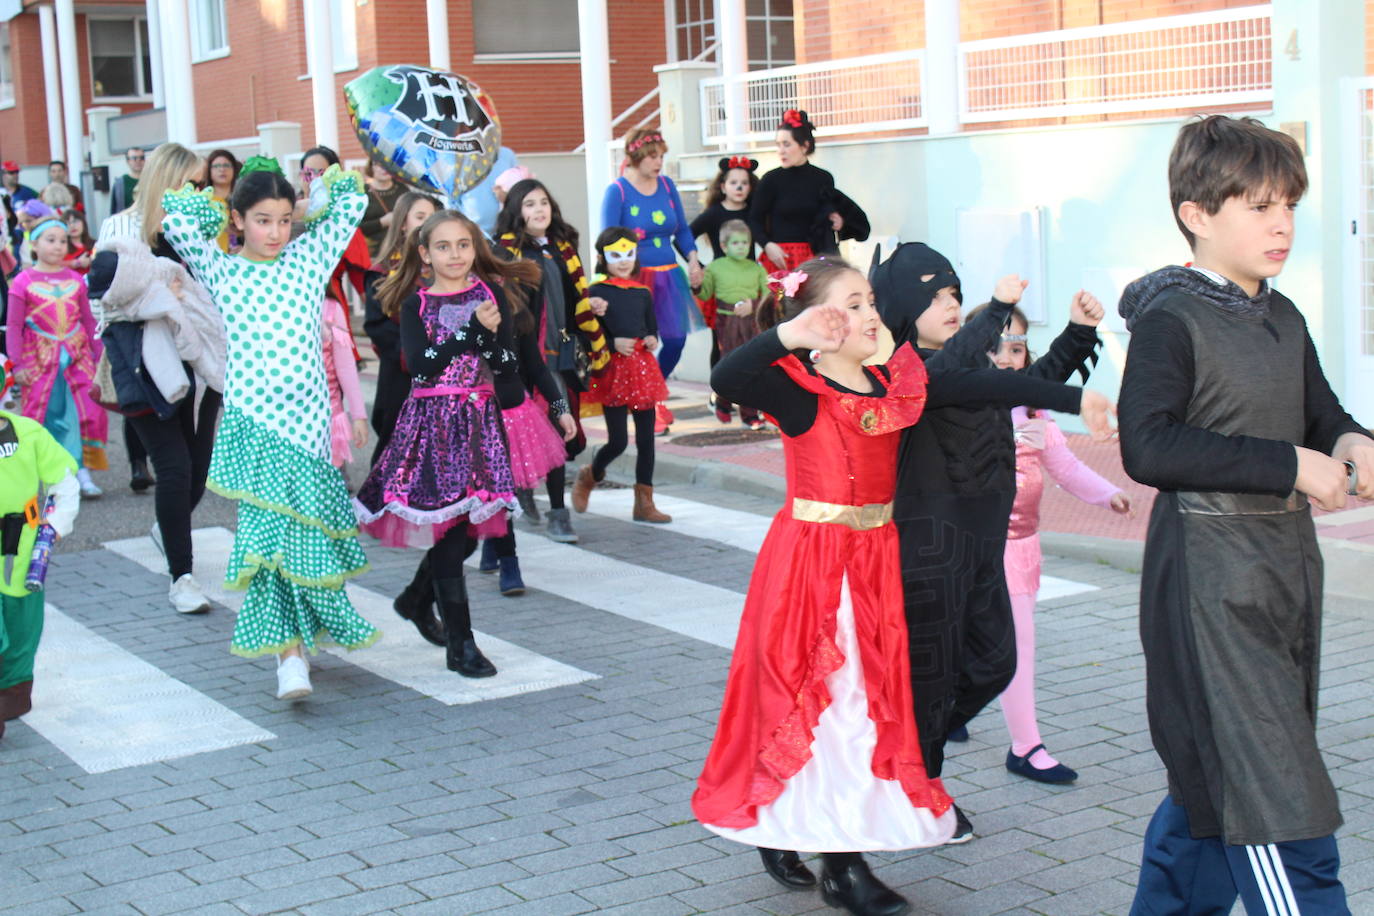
[416, 604]
[847, 883]
[463, 655]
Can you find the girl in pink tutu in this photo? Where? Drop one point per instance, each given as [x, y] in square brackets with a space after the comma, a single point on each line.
[445, 476]
[632, 384]
[348, 414]
[531, 402]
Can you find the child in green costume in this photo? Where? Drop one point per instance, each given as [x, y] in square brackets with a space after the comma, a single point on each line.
[738, 283]
[33, 468]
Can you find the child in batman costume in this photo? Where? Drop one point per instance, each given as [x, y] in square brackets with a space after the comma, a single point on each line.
[956, 482]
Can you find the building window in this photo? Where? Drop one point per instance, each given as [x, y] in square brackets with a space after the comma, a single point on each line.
[696, 27]
[209, 31]
[768, 27]
[6, 68]
[120, 66]
[528, 29]
[768, 31]
[343, 33]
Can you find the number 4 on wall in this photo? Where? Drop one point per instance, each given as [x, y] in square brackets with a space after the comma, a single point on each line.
[1291, 46]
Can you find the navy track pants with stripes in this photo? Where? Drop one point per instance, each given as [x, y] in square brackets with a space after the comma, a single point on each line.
[1182, 876]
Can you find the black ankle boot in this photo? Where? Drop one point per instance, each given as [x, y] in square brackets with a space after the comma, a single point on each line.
[139, 478]
[786, 868]
[416, 604]
[847, 884]
[463, 655]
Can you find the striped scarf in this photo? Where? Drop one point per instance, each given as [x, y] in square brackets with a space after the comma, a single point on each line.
[599, 354]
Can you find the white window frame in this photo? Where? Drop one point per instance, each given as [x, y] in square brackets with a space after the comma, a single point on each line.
[344, 31]
[522, 57]
[6, 67]
[138, 55]
[199, 53]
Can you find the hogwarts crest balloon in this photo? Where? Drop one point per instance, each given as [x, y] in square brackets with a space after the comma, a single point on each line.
[433, 130]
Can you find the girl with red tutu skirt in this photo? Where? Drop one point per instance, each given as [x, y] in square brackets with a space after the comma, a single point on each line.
[445, 476]
[633, 383]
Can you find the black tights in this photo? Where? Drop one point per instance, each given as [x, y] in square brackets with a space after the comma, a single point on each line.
[557, 482]
[180, 448]
[617, 431]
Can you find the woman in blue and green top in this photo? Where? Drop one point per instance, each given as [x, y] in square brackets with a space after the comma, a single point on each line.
[646, 201]
[296, 542]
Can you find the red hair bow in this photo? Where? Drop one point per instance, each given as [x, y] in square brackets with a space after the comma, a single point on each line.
[742, 162]
[792, 118]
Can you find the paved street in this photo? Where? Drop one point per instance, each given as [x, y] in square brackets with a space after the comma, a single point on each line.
[560, 786]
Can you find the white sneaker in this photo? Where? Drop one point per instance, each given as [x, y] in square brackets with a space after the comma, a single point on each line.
[186, 596]
[156, 534]
[293, 678]
[88, 488]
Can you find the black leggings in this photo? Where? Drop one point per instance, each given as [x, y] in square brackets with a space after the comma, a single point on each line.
[179, 448]
[556, 482]
[617, 432]
[132, 444]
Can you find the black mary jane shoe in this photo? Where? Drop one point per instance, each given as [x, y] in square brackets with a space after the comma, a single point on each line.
[1021, 765]
[857, 890]
[786, 868]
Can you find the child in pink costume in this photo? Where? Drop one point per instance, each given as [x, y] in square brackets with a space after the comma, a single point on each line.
[1040, 447]
[348, 421]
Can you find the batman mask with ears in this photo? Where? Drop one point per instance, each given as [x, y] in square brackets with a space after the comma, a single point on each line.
[906, 284]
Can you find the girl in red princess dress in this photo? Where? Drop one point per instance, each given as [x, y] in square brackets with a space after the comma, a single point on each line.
[817, 748]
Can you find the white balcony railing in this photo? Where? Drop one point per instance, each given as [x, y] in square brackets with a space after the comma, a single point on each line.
[1215, 58]
[881, 92]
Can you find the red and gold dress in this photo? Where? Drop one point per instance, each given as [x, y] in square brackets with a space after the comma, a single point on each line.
[816, 748]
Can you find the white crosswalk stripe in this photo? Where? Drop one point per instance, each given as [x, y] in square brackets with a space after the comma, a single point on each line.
[400, 655]
[746, 530]
[106, 708]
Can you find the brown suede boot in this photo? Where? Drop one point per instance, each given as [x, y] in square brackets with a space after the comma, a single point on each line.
[645, 510]
[582, 487]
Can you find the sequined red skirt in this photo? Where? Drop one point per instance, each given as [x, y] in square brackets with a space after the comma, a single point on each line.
[632, 381]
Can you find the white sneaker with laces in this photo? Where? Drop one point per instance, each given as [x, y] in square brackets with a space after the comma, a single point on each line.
[186, 596]
[88, 488]
[293, 678]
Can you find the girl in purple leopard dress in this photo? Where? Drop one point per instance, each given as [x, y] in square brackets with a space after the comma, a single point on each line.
[445, 477]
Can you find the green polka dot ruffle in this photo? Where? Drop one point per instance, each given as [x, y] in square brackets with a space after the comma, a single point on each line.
[284, 614]
[200, 208]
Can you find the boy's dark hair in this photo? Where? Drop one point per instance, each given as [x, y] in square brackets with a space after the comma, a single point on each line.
[734, 227]
[1217, 158]
[609, 236]
[255, 187]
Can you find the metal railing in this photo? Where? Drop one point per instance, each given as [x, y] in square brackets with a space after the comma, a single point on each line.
[877, 93]
[1200, 59]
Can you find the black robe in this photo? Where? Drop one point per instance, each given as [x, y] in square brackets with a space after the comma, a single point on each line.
[1212, 403]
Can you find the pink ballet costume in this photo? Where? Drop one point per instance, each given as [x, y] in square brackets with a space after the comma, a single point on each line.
[341, 373]
[1040, 447]
[536, 447]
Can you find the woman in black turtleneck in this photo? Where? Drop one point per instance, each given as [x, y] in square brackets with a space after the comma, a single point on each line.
[794, 200]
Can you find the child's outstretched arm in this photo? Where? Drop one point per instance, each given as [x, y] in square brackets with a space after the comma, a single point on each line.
[1160, 450]
[1069, 471]
[192, 226]
[970, 345]
[329, 232]
[747, 375]
[1075, 349]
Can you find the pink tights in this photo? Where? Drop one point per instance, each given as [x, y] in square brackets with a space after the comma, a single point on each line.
[1018, 700]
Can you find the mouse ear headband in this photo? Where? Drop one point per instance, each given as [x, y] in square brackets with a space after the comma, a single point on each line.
[738, 162]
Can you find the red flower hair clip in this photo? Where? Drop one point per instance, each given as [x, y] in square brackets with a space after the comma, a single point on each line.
[792, 118]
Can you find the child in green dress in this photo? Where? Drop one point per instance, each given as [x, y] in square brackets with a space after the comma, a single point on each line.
[296, 542]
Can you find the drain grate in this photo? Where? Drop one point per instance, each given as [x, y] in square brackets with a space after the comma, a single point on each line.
[736, 436]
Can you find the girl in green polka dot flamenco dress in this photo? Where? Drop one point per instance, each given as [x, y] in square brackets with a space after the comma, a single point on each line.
[296, 542]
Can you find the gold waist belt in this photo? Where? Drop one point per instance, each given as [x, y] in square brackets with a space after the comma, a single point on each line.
[860, 518]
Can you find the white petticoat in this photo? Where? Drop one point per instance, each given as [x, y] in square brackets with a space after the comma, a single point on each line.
[834, 803]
